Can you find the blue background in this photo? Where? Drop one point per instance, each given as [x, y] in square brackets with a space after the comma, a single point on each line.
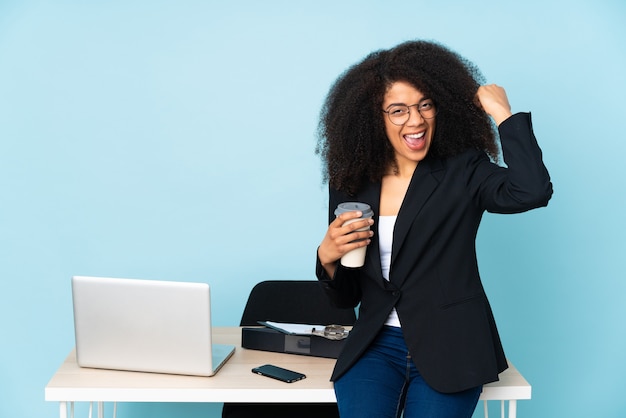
[175, 140]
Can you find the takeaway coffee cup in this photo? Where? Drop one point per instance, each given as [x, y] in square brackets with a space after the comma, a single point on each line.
[356, 257]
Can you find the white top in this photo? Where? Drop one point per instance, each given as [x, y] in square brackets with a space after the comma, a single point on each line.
[385, 241]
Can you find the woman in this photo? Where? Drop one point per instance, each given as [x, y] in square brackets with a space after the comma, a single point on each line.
[409, 131]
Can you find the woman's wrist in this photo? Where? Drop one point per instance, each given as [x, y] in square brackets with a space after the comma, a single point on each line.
[500, 117]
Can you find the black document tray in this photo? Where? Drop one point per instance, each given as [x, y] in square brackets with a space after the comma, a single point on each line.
[267, 339]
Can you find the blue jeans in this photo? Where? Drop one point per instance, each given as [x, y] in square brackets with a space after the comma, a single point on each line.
[385, 383]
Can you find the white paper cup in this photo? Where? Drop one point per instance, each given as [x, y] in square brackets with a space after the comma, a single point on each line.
[356, 257]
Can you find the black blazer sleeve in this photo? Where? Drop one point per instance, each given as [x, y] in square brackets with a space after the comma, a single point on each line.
[525, 183]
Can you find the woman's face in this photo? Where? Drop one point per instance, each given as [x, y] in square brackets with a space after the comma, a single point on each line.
[411, 140]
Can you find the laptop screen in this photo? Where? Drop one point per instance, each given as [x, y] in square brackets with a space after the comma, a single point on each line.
[143, 325]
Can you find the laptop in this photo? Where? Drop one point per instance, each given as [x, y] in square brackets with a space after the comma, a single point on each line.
[145, 326]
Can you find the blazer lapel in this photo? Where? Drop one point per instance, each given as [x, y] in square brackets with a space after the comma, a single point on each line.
[425, 180]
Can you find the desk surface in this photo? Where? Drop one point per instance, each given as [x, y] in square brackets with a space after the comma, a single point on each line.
[233, 383]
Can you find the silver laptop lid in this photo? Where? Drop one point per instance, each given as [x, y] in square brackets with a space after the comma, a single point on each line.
[143, 325]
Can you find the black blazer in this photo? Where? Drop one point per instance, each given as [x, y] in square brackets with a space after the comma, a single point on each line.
[434, 281]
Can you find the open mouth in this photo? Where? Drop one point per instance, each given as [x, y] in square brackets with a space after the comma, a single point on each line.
[415, 141]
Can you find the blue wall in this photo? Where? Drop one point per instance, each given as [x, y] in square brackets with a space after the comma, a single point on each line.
[157, 139]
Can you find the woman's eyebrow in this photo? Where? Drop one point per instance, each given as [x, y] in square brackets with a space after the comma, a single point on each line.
[404, 104]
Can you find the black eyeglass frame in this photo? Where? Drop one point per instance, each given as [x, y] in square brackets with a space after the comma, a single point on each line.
[408, 110]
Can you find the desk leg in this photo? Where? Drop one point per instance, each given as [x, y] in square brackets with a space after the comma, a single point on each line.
[63, 406]
[100, 409]
[512, 408]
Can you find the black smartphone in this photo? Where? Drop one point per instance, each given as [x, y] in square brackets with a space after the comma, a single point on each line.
[279, 373]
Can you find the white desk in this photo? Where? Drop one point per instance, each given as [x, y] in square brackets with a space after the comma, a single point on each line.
[233, 383]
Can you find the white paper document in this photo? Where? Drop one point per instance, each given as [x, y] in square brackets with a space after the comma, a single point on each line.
[331, 332]
[299, 329]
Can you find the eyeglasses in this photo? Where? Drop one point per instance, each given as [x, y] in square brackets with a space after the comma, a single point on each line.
[332, 332]
[399, 114]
